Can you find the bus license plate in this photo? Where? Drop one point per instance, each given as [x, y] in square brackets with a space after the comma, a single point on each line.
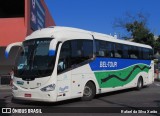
[27, 95]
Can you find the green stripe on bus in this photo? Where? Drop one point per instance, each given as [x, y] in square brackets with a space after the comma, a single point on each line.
[107, 79]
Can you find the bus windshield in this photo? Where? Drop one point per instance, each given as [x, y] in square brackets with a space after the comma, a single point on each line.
[34, 60]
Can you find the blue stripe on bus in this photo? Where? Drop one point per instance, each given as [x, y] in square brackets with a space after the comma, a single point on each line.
[115, 63]
[52, 52]
[6, 54]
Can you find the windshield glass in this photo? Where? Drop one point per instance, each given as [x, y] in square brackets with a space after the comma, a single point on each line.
[34, 60]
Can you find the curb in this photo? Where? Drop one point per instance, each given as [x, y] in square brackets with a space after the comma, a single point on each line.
[5, 87]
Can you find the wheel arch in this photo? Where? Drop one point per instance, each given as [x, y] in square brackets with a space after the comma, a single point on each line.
[95, 84]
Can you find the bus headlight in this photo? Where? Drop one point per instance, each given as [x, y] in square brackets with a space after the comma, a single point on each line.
[50, 87]
[14, 87]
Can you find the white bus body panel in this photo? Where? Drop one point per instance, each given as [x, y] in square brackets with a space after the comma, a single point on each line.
[36, 93]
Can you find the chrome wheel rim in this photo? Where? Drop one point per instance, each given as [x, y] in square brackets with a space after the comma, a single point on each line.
[87, 91]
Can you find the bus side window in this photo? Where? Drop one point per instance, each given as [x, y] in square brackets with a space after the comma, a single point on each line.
[111, 49]
[140, 52]
[64, 58]
[146, 53]
[150, 54]
[102, 48]
[118, 50]
[125, 51]
[133, 52]
[82, 50]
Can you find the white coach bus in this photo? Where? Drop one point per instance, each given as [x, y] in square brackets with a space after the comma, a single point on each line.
[59, 63]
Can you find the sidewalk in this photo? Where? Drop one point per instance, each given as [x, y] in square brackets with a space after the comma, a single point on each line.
[5, 87]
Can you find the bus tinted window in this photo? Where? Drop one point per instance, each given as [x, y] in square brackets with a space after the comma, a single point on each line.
[140, 52]
[125, 51]
[88, 49]
[104, 49]
[101, 48]
[118, 50]
[147, 54]
[74, 52]
[133, 52]
[64, 58]
[111, 49]
[82, 50]
[150, 54]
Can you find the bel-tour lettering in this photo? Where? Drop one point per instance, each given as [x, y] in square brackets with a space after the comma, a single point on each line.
[104, 64]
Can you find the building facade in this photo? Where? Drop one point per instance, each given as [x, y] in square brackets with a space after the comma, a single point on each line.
[19, 18]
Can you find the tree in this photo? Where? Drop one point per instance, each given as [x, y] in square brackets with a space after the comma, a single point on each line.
[137, 27]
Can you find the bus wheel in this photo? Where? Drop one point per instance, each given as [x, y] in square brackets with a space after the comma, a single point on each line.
[139, 83]
[89, 91]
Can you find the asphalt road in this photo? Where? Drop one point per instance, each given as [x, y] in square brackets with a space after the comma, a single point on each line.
[129, 102]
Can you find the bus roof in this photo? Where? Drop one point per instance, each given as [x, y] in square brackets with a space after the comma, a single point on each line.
[68, 33]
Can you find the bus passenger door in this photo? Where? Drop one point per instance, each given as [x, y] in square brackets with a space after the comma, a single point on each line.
[64, 73]
[63, 83]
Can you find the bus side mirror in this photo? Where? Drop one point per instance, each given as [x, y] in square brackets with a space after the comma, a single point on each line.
[52, 47]
[9, 47]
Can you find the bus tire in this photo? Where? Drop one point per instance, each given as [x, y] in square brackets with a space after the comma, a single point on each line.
[89, 91]
[139, 83]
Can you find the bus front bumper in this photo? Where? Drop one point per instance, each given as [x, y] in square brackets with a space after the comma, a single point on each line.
[34, 96]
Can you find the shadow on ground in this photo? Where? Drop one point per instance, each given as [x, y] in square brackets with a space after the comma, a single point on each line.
[37, 103]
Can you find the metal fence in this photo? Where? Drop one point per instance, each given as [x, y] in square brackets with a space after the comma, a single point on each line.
[5, 79]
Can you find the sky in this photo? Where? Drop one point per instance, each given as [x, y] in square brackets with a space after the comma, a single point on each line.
[100, 15]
